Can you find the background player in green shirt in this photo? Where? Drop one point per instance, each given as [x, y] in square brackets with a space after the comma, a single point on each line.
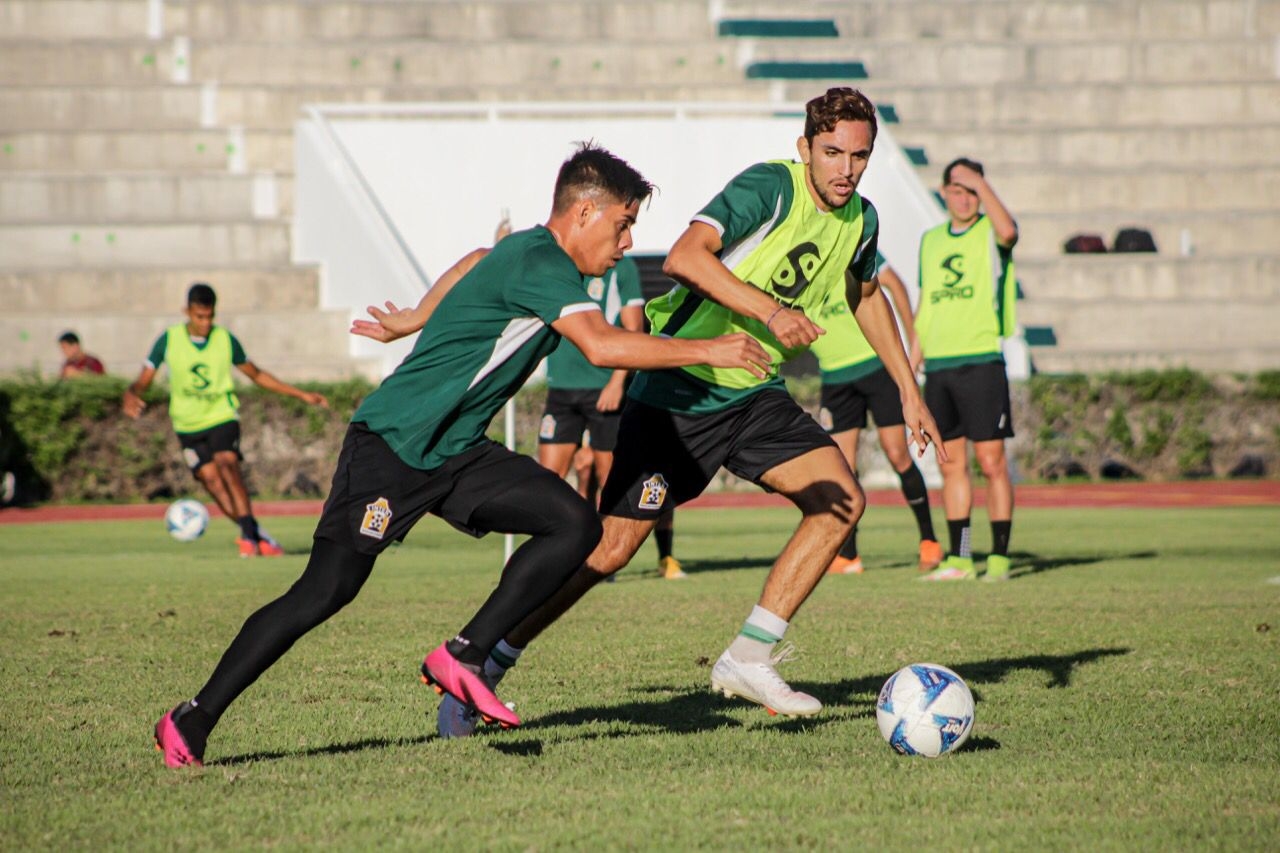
[205, 410]
[417, 444]
[854, 380]
[967, 296]
[780, 241]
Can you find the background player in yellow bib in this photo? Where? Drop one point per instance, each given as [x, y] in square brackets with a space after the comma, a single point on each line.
[205, 410]
[779, 242]
[854, 380]
[967, 293]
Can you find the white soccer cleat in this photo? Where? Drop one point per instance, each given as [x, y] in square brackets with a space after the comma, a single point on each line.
[760, 683]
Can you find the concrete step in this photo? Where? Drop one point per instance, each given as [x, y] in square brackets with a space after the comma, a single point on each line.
[475, 21]
[155, 244]
[142, 290]
[674, 59]
[1074, 105]
[1184, 328]
[1148, 278]
[277, 108]
[291, 344]
[1122, 189]
[1137, 147]
[22, 20]
[206, 151]
[1017, 20]
[1055, 360]
[1105, 59]
[144, 197]
[1217, 235]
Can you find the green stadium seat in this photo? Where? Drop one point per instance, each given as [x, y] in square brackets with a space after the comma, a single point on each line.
[777, 28]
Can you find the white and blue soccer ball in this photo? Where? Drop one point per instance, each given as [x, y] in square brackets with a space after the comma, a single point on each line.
[925, 709]
[186, 520]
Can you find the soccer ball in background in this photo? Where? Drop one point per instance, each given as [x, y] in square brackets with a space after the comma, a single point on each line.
[186, 520]
[925, 709]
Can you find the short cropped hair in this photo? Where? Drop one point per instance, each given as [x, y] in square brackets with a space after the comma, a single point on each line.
[840, 103]
[960, 161]
[593, 170]
[202, 294]
[68, 338]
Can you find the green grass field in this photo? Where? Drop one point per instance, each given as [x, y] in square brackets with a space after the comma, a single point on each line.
[1128, 696]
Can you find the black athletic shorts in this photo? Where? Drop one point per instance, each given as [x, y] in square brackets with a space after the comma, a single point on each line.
[664, 459]
[844, 406]
[970, 401]
[376, 497]
[198, 447]
[570, 412]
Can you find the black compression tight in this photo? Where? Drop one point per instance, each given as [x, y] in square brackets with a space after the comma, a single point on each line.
[333, 576]
[564, 531]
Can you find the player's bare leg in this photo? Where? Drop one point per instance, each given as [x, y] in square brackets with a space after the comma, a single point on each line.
[893, 440]
[847, 561]
[821, 485]
[556, 457]
[251, 541]
[957, 501]
[211, 478]
[995, 468]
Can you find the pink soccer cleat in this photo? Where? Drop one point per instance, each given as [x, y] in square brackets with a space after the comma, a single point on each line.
[443, 672]
[177, 752]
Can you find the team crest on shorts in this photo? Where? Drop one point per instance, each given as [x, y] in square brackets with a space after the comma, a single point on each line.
[595, 289]
[653, 492]
[377, 516]
[190, 456]
[824, 419]
[547, 429]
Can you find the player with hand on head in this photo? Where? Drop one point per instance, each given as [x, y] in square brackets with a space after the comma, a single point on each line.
[205, 410]
[780, 241]
[854, 380]
[417, 444]
[967, 297]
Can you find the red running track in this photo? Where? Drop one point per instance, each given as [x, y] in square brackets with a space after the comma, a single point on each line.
[1199, 493]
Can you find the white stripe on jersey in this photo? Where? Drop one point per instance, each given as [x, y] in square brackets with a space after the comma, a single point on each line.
[518, 333]
[733, 255]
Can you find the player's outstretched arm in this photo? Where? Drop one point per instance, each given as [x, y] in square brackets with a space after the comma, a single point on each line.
[875, 319]
[608, 346]
[395, 323]
[693, 262]
[133, 403]
[266, 380]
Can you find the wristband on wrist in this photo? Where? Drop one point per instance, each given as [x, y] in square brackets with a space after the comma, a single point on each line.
[771, 316]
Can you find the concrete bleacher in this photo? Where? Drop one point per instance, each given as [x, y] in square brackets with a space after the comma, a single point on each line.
[144, 145]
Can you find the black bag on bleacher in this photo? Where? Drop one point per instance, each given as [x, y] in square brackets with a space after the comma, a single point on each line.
[1084, 244]
[1134, 240]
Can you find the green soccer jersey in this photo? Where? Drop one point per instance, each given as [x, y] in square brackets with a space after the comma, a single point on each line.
[775, 238]
[201, 389]
[844, 353]
[967, 292]
[481, 343]
[619, 288]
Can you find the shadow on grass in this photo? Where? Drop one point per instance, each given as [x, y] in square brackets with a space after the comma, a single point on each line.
[722, 565]
[684, 710]
[1025, 563]
[331, 749]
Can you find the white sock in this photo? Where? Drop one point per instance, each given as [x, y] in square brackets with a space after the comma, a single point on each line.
[760, 633]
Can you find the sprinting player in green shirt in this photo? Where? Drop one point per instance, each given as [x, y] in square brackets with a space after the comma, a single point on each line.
[854, 380]
[206, 412]
[967, 293]
[417, 444]
[778, 243]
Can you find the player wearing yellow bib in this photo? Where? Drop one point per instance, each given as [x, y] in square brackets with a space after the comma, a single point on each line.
[854, 380]
[205, 410]
[967, 292]
[763, 257]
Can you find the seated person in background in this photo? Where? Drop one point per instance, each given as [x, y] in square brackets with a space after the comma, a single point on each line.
[76, 362]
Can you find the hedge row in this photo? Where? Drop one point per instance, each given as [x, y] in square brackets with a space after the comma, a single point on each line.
[69, 441]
